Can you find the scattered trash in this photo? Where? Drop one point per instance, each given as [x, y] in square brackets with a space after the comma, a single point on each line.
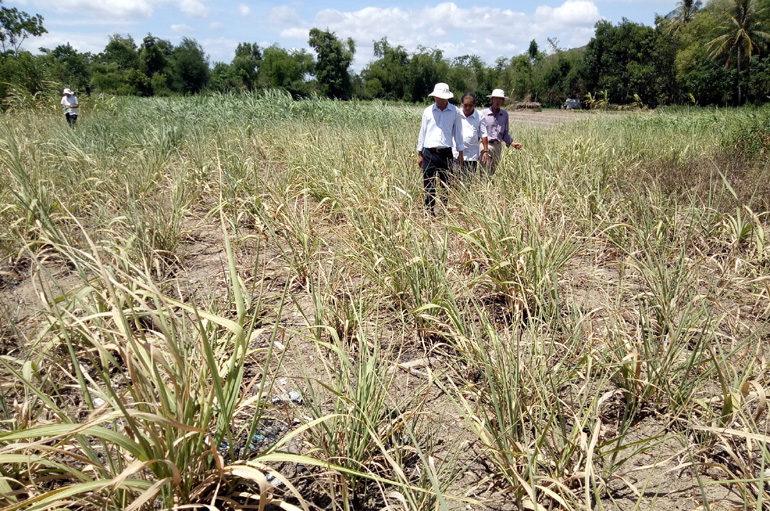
[273, 480]
[98, 402]
[278, 346]
[293, 397]
[412, 366]
[255, 441]
[282, 381]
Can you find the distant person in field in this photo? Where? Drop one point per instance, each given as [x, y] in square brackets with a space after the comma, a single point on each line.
[497, 129]
[474, 133]
[69, 104]
[440, 125]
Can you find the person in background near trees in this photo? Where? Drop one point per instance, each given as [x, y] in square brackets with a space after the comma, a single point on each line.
[440, 124]
[497, 129]
[70, 105]
[474, 132]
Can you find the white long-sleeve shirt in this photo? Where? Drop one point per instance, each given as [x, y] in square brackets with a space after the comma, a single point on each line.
[474, 129]
[439, 127]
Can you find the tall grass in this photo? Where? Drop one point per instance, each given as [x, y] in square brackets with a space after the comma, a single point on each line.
[600, 299]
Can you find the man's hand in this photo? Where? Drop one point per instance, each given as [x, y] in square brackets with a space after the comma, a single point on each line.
[419, 160]
[515, 145]
[484, 158]
[460, 159]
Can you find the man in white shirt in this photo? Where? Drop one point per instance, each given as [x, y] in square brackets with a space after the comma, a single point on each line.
[70, 105]
[474, 132]
[440, 125]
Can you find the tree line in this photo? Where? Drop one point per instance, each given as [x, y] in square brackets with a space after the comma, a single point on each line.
[717, 53]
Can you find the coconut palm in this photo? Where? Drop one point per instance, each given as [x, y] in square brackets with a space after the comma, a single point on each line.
[682, 15]
[743, 32]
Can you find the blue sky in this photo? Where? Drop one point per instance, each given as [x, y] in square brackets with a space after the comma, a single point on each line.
[485, 28]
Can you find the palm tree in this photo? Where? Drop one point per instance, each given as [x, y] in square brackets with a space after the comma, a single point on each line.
[742, 32]
[682, 15]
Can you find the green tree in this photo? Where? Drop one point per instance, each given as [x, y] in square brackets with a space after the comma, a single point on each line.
[155, 63]
[154, 55]
[68, 67]
[16, 26]
[426, 68]
[759, 79]
[223, 79]
[517, 78]
[332, 63]
[122, 51]
[533, 52]
[684, 13]
[558, 76]
[191, 67]
[622, 60]
[742, 31]
[468, 73]
[386, 77]
[117, 70]
[245, 64]
[286, 70]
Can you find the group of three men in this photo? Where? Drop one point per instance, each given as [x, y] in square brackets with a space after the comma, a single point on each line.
[443, 123]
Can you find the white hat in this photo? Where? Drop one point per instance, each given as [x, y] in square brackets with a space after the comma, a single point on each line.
[498, 93]
[67, 91]
[441, 90]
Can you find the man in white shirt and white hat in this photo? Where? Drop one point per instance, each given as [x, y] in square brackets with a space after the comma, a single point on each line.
[474, 135]
[70, 105]
[497, 129]
[439, 127]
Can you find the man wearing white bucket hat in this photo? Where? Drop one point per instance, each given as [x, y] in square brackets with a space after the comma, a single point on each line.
[70, 105]
[497, 129]
[440, 125]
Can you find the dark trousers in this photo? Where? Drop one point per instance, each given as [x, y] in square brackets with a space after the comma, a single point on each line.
[71, 119]
[435, 169]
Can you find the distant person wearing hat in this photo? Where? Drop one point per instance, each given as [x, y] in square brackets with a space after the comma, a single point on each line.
[440, 125]
[497, 129]
[474, 133]
[70, 105]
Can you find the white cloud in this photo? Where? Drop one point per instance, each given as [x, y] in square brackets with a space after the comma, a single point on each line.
[220, 49]
[194, 8]
[116, 9]
[572, 13]
[487, 31]
[296, 33]
[243, 10]
[181, 29]
[82, 42]
[449, 27]
[284, 14]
